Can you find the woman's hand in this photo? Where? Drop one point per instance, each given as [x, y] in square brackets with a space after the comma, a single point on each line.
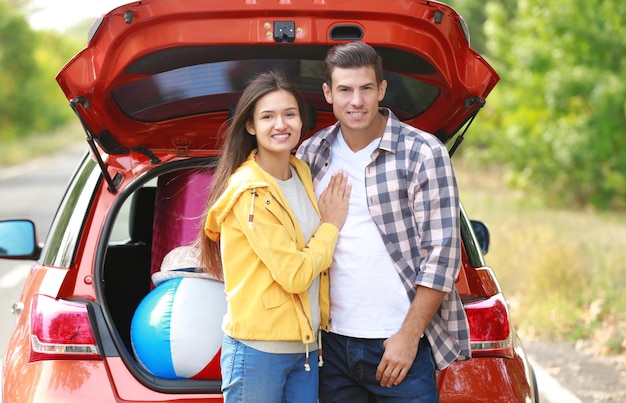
[334, 200]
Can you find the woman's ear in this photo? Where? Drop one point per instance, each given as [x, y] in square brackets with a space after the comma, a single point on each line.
[250, 128]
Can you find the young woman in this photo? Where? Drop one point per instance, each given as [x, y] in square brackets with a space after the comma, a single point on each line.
[273, 245]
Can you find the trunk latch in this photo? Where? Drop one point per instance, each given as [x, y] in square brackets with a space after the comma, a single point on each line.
[284, 31]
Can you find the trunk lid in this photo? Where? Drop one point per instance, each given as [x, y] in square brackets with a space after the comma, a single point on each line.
[162, 75]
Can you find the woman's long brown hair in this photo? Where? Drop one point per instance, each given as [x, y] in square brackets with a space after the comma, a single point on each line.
[238, 144]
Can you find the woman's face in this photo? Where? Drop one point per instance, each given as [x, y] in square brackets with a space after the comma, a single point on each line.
[276, 122]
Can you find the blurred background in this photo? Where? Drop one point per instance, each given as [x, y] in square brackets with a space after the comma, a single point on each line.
[544, 165]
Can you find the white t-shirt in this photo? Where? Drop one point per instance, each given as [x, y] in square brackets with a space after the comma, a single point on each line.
[367, 298]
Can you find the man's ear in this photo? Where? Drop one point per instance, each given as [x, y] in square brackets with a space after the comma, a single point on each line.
[328, 94]
[382, 90]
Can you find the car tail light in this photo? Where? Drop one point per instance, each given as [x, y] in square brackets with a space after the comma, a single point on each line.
[490, 331]
[61, 330]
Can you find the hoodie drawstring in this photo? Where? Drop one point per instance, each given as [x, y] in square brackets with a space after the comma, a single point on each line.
[320, 358]
[307, 367]
[251, 215]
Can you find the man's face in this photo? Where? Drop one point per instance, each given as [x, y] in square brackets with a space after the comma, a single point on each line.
[355, 95]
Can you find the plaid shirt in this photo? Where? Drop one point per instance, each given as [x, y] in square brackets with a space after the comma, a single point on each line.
[413, 198]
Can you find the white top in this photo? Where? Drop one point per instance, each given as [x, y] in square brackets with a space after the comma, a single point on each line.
[367, 298]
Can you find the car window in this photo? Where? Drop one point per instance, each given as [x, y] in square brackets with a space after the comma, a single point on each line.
[67, 226]
[178, 90]
[121, 231]
[472, 249]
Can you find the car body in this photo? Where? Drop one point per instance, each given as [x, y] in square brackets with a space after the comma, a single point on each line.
[154, 89]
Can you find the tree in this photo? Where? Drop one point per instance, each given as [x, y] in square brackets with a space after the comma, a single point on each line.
[51, 108]
[17, 66]
[30, 98]
[557, 120]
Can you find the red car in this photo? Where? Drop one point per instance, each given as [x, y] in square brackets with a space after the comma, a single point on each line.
[153, 89]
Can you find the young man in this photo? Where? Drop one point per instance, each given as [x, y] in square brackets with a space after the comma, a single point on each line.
[395, 314]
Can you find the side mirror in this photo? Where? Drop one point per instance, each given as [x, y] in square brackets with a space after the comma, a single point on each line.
[482, 235]
[18, 240]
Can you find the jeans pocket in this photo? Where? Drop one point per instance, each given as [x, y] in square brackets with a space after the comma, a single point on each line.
[227, 359]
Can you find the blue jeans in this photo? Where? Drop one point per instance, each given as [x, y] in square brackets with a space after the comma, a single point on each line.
[349, 373]
[250, 375]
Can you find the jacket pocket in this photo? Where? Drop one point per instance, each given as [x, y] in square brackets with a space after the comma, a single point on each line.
[275, 296]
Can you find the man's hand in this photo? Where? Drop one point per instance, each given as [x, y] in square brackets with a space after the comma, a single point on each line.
[400, 352]
[401, 348]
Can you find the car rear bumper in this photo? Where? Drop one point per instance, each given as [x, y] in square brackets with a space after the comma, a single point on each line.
[70, 381]
[489, 380]
[58, 381]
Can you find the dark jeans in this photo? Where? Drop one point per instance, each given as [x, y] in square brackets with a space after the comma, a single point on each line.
[349, 373]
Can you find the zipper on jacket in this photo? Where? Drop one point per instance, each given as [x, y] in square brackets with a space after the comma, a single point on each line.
[251, 215]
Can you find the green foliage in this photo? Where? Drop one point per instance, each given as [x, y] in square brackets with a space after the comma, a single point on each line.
[557, 119]
[31, 100]
[53, 51]
[16, 66]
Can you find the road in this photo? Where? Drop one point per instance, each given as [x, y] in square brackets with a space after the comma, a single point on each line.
[34, 191]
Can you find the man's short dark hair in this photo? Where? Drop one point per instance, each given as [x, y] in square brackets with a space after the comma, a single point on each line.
[353, 55]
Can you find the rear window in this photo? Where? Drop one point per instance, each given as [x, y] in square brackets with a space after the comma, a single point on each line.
[168, 91]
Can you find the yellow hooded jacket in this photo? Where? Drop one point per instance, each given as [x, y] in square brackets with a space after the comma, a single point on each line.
[267, 267]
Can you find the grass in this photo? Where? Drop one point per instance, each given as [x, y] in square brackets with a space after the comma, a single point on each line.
[563, 271]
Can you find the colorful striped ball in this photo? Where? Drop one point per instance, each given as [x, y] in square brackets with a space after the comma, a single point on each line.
[176, 329]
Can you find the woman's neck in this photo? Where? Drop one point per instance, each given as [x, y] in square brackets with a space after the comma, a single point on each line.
[275, 165]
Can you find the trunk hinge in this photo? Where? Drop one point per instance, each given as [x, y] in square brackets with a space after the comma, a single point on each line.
[479, 102]
[112, 182]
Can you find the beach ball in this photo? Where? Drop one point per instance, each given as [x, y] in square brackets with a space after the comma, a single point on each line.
[176, 329]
